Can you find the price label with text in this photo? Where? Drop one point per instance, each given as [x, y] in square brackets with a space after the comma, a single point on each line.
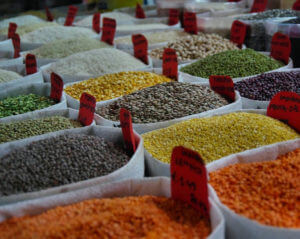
[140, 46]
[190, 22]
[108, 30]
[296, 6]
[189, 179]
[170, 64]
[12, 29]
[139, 11]
[71, 15]
[285, 106]
[173, 17]
[127, 130]
[86, 109]
[30, 63]
[238, 32]
[49, 15]
[96, 22]
[223, 85]
[57, 86]
[259, 5]
[281, 47]
[17, 44]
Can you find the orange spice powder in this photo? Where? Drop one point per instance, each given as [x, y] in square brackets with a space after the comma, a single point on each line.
[267, 192]
[129, 217]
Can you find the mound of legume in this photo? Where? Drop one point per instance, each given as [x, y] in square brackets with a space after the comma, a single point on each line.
[28, 128]
[164, 102]
[236, 63]
[20, 21]
[21, 30]
[265, 86]
[6, 76]
[115, 85]
[267, 192]
[127, 217]
[23, 103]
[58, 161]
[218, 136]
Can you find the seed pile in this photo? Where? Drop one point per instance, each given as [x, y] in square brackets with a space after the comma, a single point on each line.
[218, 136]
[236, 63]
[164, 102]
[126, 217]
[274, 13]
[265, 86]
[293, 21]
[115, 85]
[141, 27]
[155, 37]
[196, 46]
[50, 34]
[21, 30]
[267, 192]
[20, 21]
[6, 76]
[23, 103]
[96, 62]
[28, 128]
[67, 47]
[58, 161]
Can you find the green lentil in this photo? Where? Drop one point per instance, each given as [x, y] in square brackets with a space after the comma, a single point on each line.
[28, 128]
[23, 103]
[235, 63]
[218, 136]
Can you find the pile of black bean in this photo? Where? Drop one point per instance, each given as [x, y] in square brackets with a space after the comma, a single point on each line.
[58, 161]
[163, 102]
[263, 87]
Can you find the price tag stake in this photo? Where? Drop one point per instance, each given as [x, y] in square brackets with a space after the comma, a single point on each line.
[223, 85]
[170, 64]
[17, 44]
[86, 109]
[296, 6]
[96, 22]
[173, 17]
[71, 15]
[281, 47]
[12, 29]
[109, 30]
[140, 46]
[259, 6]
[57, 86]
[190, 22]
[189, 179]
[139, 11]
[30, 62]
[127, 130]
[285, 106]
[238, 33]
[49, 15]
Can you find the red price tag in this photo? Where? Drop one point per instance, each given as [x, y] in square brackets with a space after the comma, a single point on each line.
[223, 85]
[190, 22]
[17, 44]
[173, 17]
[109, 30]
[139, 11]
[71, 15]
[49, 15]
[31, 66]
[57, 86]
[238, 32]
[189, 179]
[128, 135]
[86, 109]
[12, 29]
[259, 5]
[281, 47]
[140, 46]
[96, 22]
[170, 64]
[285, 106]
[296, 6]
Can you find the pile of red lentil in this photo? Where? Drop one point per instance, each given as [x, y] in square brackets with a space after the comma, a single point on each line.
[129, 217]
[267, 192]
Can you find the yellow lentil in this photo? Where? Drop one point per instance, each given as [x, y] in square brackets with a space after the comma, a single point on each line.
[218, 136]
[115, 85]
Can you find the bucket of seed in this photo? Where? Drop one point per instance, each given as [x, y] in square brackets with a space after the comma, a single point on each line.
[93, 63]
[109, 87]
[38, 123]
[257, 91]
[135, 208]
[237, 64]
[27, 98]
[214, 137]
[66, 161]
[258, 191]
[165, 104]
